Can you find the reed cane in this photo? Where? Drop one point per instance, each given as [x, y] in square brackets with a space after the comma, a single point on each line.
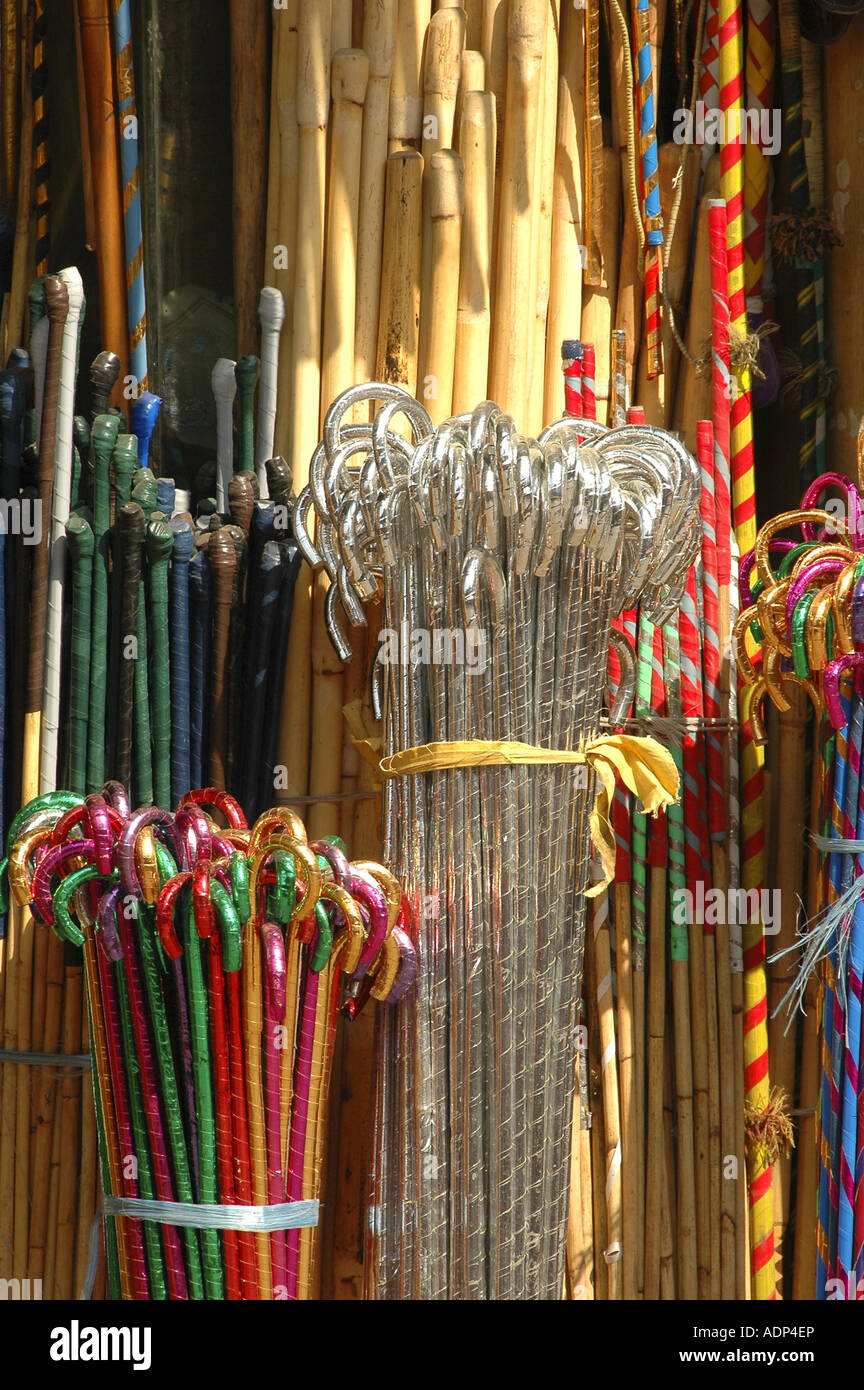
[445, 41]
[405, 122]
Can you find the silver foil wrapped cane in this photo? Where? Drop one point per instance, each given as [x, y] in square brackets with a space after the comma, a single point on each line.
[501, 562]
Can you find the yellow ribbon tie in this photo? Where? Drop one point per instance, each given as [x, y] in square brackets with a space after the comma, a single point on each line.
[645, 767]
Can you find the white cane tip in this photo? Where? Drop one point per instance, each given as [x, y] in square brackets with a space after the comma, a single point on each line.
[223, 383]
[271, 308]
[71, 278]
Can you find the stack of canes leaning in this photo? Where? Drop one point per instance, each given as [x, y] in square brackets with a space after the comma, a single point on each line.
[216, 958]
[493, 762]
[802, 625]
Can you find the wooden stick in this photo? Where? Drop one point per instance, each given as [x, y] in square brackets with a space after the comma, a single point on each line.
[95, 27]
[22, 197]
[406, 91]
[10, 89]
[631, 1145]
[596, 1186]
[599, 301]
[655, 1175]
[440, 291]
[789, 878]
[379, 32]
[686, 1156]
[611, 1107]
[693, 396]
[473, 318]
[349, 76]
[657, 394]
[280, 249]
[725, 1041]
[70, 1100]
[90, 238]
[844, 162]
[668, 1229]
[445, 40]
[313, 101]
[512, 347]
[567, 250]
[400, 275]
[45, 1096]
[715, 1157]
[580, 1243]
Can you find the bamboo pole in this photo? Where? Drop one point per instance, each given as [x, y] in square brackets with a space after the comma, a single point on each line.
[509, 370]
[379, 35]
[400, 276]
[655, 1164]
[541, 235]
[313, 102]
[568, 236]
[281, 247]
[406, 89]
[473, 316]
[611, 1105]
[440, 290]
[472, 78]
[445, 40]
[350, 74]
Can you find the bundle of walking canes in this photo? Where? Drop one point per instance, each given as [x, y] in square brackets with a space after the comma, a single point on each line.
[215, 959]
[802, 600]
[506, 558]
